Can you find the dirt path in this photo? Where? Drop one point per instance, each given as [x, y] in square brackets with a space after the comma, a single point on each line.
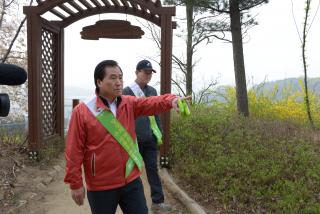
[50, 195]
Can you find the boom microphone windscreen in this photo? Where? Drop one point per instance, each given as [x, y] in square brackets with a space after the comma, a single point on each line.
[12, 74]
[4, 105]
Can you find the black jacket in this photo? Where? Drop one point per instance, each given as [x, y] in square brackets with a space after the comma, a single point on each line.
[143, 129]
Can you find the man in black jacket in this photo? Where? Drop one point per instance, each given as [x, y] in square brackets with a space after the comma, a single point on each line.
[148, 130]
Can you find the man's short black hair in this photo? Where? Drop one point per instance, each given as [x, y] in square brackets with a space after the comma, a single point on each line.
[99, 71]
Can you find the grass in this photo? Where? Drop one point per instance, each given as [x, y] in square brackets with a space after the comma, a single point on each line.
[14, 138]
[51, 149]
[17, 139]
[250, 165]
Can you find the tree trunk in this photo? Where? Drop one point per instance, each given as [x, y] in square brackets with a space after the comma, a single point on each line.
[2, 12]
[189, 11]
[304, 41]
[238, 58]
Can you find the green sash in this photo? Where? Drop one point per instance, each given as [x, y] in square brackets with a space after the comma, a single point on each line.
[155, 129]
[115, 128]
[135, 88]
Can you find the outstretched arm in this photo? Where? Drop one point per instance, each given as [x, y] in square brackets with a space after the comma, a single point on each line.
[156, 104]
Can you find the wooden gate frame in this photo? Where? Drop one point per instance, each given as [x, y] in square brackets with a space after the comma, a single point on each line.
[46, 59]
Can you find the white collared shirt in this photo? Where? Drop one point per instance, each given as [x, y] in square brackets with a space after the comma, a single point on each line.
[113, 107]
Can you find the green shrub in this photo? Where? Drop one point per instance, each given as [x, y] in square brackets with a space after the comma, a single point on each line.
[250, 165]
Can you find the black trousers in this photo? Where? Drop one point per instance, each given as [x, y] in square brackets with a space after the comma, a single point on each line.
[130, 198]
[148, 151]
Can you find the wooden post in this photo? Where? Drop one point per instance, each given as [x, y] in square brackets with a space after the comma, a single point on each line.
[34, 82]
[75, 102]
[60, 83]
[166, 65]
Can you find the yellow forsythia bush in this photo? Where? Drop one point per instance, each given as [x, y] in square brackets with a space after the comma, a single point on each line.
[292, 108]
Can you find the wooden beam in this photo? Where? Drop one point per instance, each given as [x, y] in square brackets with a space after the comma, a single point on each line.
[57, 13]
[134, 5]
[71, 19]
[157, 3]
[75, 5]
[96, 3]
[49, 26]
[116, 3]
[86, 4]
[47, 5]
[107, 3]
[167, 11]
[125, 3]
[39, 2]
[144, 4]
[66, 9]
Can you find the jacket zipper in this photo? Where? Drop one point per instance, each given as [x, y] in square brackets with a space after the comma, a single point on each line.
[93, 165]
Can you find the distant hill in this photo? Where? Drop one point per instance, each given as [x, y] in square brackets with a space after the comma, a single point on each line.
[285, 87]
[288, 86]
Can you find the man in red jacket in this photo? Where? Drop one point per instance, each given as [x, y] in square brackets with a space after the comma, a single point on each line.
[102, 138]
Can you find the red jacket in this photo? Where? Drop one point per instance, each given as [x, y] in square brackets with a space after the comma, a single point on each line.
[91, 145]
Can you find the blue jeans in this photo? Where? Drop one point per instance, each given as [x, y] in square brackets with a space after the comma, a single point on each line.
[148, 152]
[130, 198]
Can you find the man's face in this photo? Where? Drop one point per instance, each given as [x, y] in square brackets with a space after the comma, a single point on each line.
[144, 76]
[112, 84]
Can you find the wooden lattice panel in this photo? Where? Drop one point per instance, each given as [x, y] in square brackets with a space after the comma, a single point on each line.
[48, 84]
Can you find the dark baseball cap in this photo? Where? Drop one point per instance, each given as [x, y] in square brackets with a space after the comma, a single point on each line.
[145, 65]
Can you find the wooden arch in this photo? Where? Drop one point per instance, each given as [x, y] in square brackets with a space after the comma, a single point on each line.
[46, 58]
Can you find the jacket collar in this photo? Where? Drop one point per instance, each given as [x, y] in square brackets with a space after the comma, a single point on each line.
[103, 103]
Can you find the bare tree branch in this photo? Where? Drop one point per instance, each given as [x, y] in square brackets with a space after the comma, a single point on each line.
[214, 9]
[13, 40]
[181, 65]
[295, 22]
[252, 5]
[7, 5]
[203, 18]
[205, 91]
[178, 85]
[154, 33]
[15, 37]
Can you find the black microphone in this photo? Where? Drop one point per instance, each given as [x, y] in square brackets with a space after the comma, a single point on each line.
[12, 74]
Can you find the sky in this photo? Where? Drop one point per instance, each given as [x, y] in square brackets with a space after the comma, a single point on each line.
[273, 51]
